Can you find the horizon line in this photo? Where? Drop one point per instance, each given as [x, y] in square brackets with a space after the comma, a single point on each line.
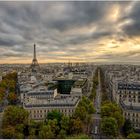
[134, 62]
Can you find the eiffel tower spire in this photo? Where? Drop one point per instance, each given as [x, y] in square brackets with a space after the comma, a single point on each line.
[34, 64]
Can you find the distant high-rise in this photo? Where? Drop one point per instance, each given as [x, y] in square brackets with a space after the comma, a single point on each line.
[34, 64]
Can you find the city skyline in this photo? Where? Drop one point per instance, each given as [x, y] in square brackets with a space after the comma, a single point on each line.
[77, 31]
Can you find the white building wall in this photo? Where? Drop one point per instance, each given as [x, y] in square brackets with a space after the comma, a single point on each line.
[41, 113]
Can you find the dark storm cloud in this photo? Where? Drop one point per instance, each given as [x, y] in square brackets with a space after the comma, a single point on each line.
[49, 25]
[133, 28]
[28, 18]
[80, 14]
[7, 43]
[86, 38]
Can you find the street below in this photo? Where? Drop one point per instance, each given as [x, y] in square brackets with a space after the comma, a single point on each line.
[96, 116]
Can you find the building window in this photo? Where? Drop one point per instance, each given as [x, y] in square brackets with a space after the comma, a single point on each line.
[133, 120]
[134, 96]
[125, 114]
[134, 100]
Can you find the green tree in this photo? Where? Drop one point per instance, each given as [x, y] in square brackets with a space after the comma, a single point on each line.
[20, 128]
[109, 127]
[2, 94]
[10, 133]
[14, 115]
[65, 122]
[54, 114]
[14, 121]
[119, 117]
[105, 96]
[76, 126]
[12, 98]
[86, 107]
[34, 128]
[84, 102]
[110, 109]
[128, 128]
[3, 84]
[91, 109]
[106, 111]
[87, 104]
[84, 112]
[78, 113]
[93, 94]
[46, 132]
[79, 136]
[96, 81]
[133, 136]
[11, 76]
[62, 134]
[87, 123]
[9, 81]
[54, 126]
[11, 85]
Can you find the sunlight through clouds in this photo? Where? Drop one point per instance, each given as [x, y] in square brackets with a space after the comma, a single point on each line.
[78, 31]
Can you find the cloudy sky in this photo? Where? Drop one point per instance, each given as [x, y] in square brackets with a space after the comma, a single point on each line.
[76, 31]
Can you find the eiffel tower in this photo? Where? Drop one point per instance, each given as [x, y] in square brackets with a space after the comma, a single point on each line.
[34, 65]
